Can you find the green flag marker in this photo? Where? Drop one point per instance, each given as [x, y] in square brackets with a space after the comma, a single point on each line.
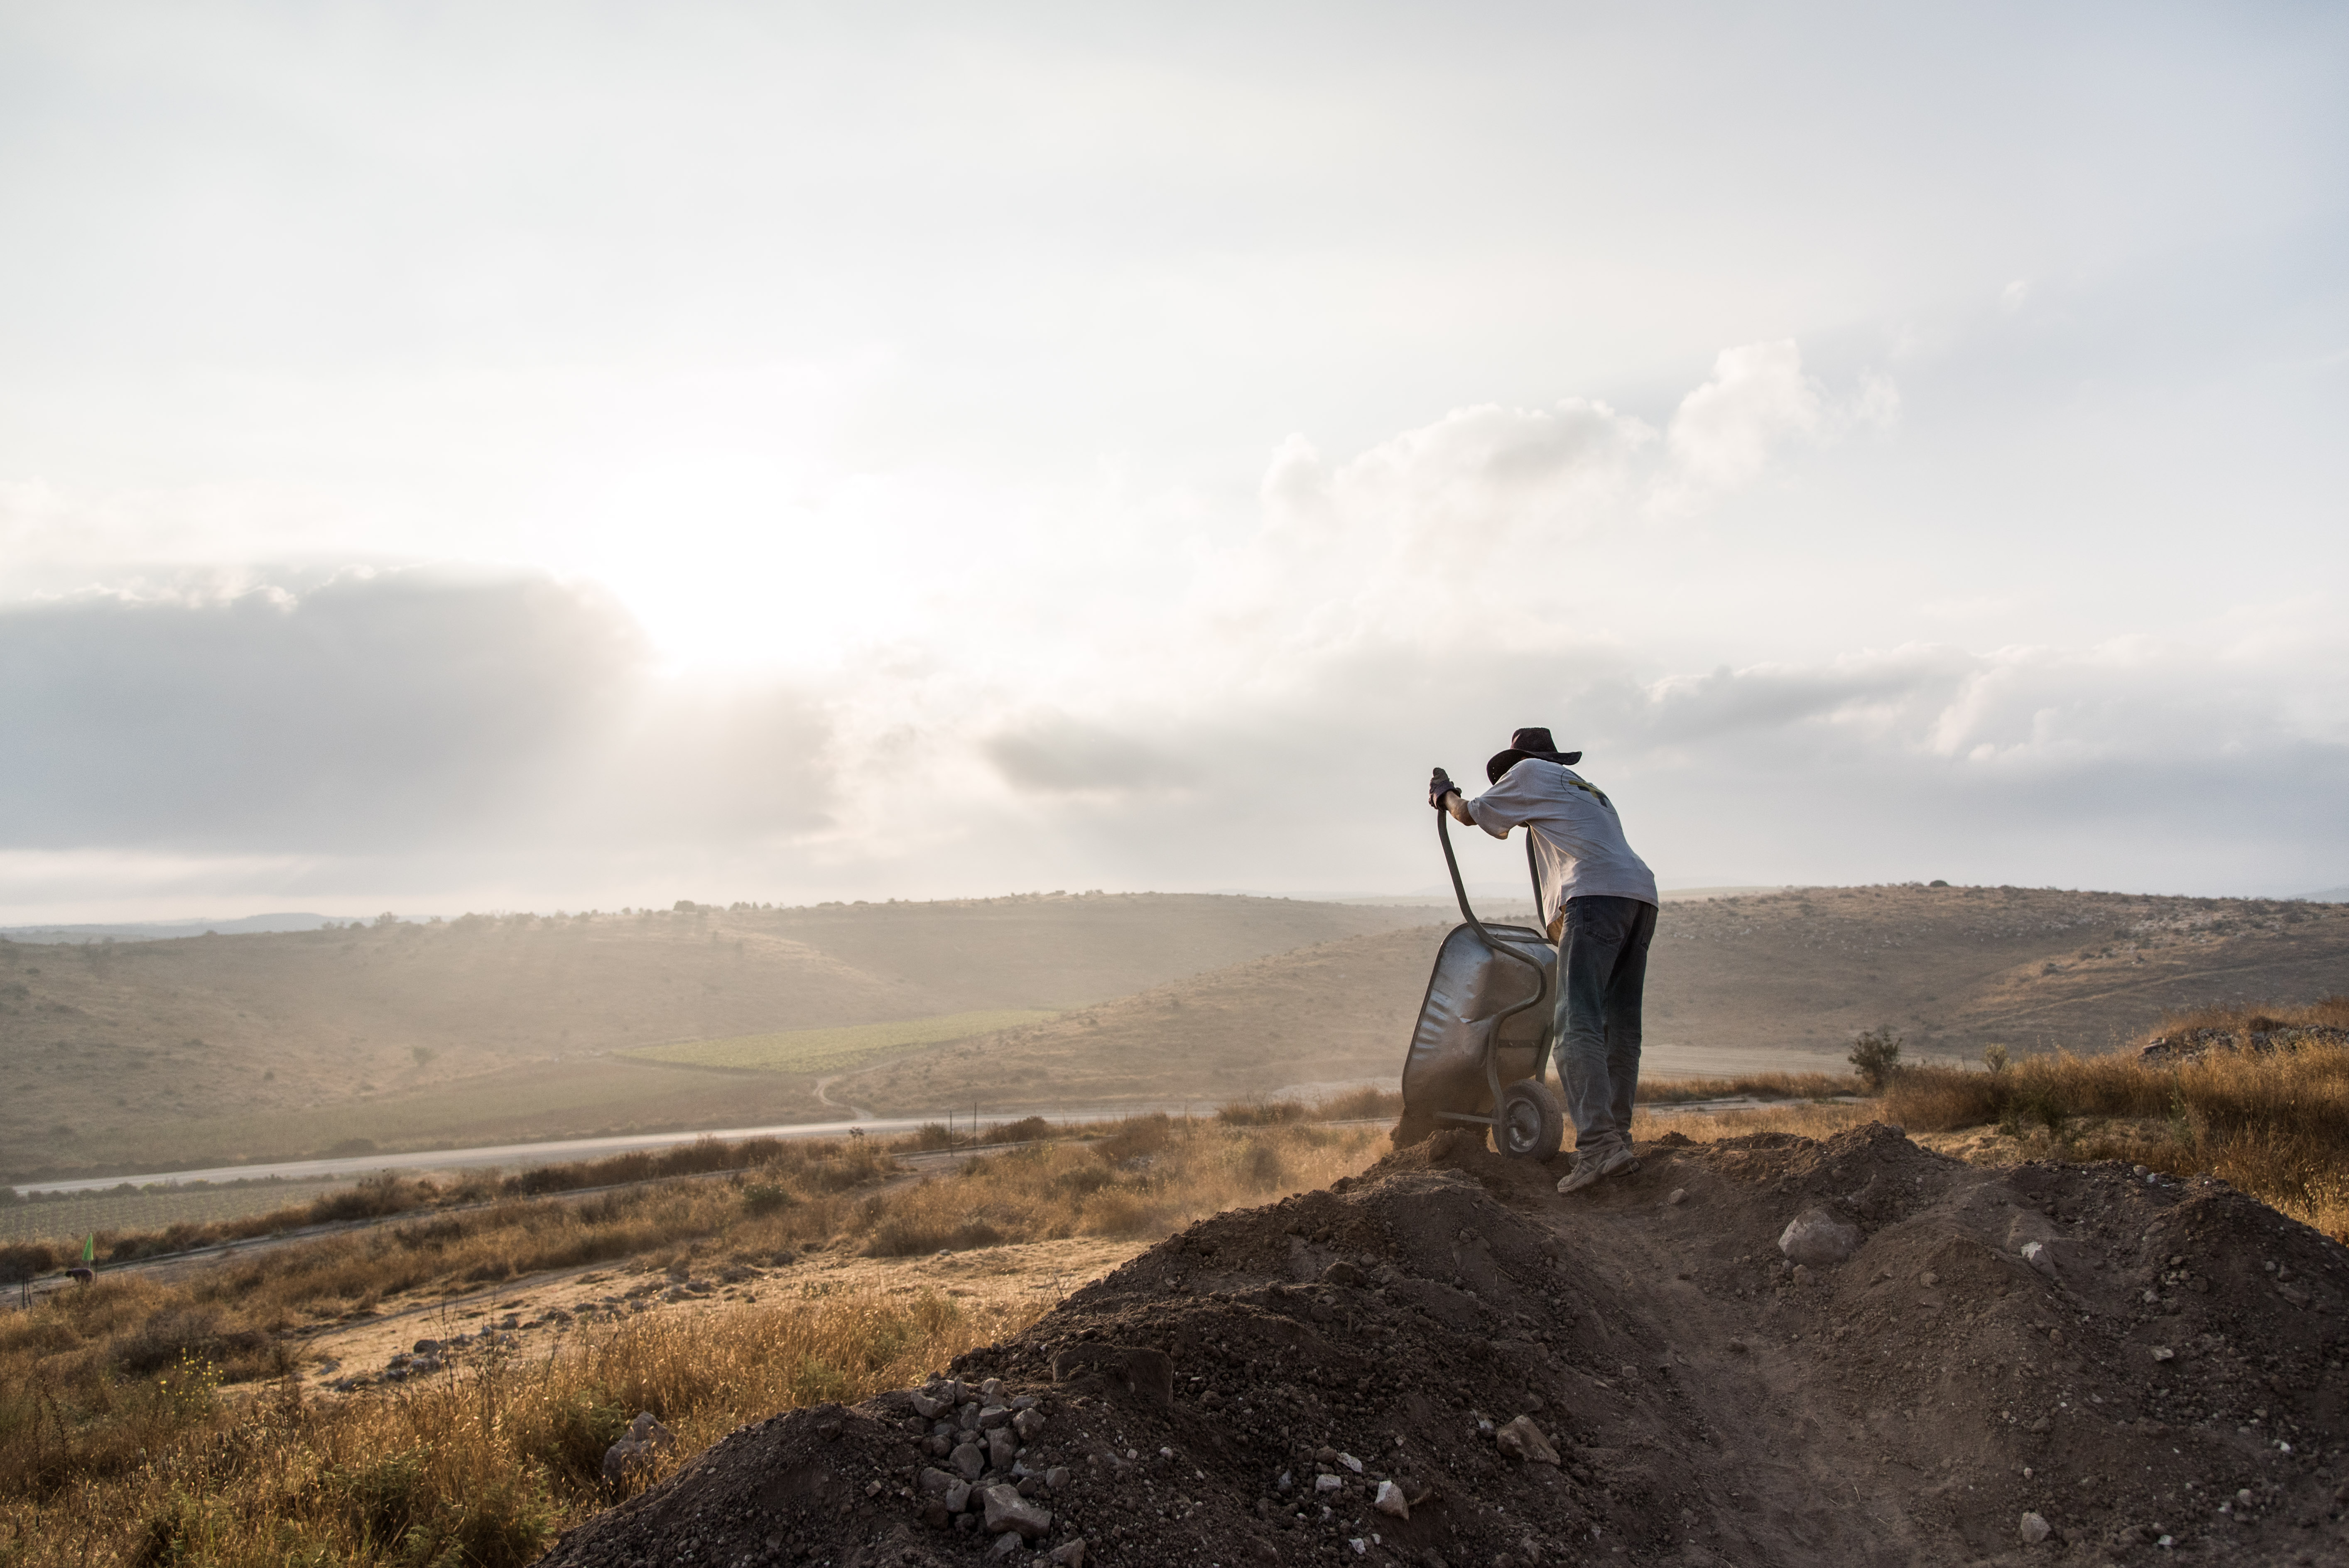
[90, 1249]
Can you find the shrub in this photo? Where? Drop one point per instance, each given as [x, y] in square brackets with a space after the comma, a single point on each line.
[1875, 1056]
[761, 1198]
[1994, 1057]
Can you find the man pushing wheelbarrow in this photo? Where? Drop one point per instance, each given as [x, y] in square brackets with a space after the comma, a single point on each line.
[1597, 902]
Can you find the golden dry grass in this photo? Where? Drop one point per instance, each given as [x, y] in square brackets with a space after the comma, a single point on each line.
[481, 1467]
[1748, 1085]
[150, 1422]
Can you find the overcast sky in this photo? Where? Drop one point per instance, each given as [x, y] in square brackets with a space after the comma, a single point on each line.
[457, 457]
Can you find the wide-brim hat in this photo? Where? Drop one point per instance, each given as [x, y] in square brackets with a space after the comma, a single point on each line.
[1533, 743]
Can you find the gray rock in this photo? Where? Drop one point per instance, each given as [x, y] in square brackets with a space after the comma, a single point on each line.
[640, 1447]
[1678, 1196]
[958, 1497]
[1027, 1424]
[1071, 1555]
[1521, 1439]
[969, 1460]
[1056, 1478]
[1002, 1447]
[935, 1479]
[1390, 1500]
[2034, 1530]
[994, 1415]
[1818, 1239]
[926, 1406]
[1007, 1510]
[1328, 1483]
[990, 1388]
[1007, 1545]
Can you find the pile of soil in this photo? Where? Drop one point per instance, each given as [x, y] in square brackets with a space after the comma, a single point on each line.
[2163, 1375]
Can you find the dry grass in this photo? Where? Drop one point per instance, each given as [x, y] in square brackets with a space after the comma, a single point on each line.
[147, 1422]
[1748, 1085]
[478, 1468]
[1150, 1176]
[2274, 1124]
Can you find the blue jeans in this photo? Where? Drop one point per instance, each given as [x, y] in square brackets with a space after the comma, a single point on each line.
[1602, 962]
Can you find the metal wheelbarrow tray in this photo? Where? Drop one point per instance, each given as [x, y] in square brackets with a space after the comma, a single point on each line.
[1480, 1054]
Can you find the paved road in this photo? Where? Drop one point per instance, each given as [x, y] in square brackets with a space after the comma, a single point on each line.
[555, 1153]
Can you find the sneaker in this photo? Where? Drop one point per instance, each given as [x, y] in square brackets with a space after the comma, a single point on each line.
[1592, 1166]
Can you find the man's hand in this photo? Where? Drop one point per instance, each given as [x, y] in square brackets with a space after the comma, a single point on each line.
[1438, 787]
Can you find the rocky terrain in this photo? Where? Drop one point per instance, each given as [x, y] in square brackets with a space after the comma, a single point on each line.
[1444, 1363]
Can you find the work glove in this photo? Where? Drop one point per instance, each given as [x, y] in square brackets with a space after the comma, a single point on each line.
[1438, 787]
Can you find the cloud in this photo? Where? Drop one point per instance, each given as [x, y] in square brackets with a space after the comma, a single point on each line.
[1056, 754]
[378, 711]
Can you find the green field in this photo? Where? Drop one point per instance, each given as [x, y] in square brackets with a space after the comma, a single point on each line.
[152, 1209]
[818, 1052]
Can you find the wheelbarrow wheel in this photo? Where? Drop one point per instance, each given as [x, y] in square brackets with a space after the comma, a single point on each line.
[1532, 1123]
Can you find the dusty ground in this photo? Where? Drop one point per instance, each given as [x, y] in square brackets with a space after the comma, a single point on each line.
[2165, 1381]
[532, 1316]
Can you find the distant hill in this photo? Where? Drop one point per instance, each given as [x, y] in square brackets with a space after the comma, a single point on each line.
[1784, 979]
[204, 1050]
[161, 930]
[481, 1028]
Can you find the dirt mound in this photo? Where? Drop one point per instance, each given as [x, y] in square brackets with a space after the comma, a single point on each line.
[2123, 1357]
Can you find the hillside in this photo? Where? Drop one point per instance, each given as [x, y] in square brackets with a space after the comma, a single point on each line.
[170, 1054]
[482, 1029]
[1733, 983]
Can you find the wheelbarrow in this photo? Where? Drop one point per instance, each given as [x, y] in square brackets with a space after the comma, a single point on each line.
[1480, 1055]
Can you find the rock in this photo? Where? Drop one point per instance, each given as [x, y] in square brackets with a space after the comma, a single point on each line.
[1350, 1462]
[991, 1388]
[958, 1497]
[1027, 1424]
[2040, 1256]
[426, 1347]
[2164, 1352]
[1007, 1545]
[969, 1460]
[928, 1408]
[994, 1415]
[933, 1480]
[1002, 1447]
[1342, 1273]
[1816, 1238]
[1521, 1439]
[1056, 1478]
[1071, 1555]
[644, 1442]
[2034, 1530]
[1390, 1500]
[1007, 1510]
[1327, 1483]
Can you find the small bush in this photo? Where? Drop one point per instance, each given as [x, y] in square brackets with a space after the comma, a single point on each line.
[761, 1198]
[1875, 1056]
[1994, 1057]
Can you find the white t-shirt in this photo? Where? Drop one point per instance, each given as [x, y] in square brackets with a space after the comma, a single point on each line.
[1578, 838]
